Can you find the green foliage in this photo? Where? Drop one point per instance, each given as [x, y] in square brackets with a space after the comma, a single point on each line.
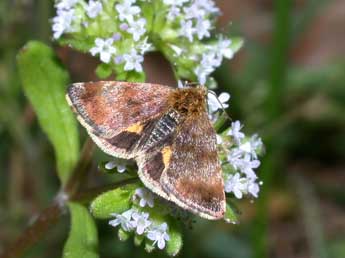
[123, 235]
[230, 214]
[83, 239]
[103, 71]
[114, 201]
[44, 82]
[175, 243]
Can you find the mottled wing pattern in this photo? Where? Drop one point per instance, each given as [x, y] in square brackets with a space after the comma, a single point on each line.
[193, 177]
[116, 114]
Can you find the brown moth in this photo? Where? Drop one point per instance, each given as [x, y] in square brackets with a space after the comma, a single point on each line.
[166, 130]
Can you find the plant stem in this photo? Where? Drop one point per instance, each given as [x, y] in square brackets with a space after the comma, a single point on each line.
[47, 218]
[79, 173]
[87, 195]
[51, 215]
[279, 62]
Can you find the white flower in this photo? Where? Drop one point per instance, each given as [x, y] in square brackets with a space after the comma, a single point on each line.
[202, 74]
[194, 11]
[256, 144]
[187, 30]
[133, 61]
[235, 131]
[140, 222]
[137, 28]
[203, 27]
[246, 147]
[241, 186]
[178, 51]
[207, 5]
[219, 139]
[253, 188]
[158, 234]
[236, 185]
[62, 22]
[174, 11]
[246, 166]
[208, 63]
[123, 219]
[215, 103]
[235, 157]
[116, 164]
[146, 197]
[252, 146]
[175, 2]
[127, 11]
[144, 46]
[224, 49]
[66, 4]
[104, 48]
[93, 8]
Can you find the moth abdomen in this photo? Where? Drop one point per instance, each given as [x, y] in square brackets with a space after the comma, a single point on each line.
[164, 127]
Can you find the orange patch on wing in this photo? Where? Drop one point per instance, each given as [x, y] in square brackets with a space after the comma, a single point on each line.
[166, 152]
[136, 128]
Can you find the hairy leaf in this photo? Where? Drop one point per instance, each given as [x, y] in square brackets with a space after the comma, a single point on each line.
[114, 201]
[83, 239]
[44, 82]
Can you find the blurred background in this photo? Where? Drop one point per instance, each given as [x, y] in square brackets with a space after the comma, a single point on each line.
[287, 84]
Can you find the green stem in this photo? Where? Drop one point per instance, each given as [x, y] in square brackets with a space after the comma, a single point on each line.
[310, 210]
[280, 49]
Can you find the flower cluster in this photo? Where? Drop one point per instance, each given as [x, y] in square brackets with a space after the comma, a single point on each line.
[242, 156]
[62, 23]
[139, 222]
[212, 58]
[122, 43]
[120, 32]
[196, 14]
[240, 151]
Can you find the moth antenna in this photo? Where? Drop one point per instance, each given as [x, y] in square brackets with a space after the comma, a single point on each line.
[221, 105]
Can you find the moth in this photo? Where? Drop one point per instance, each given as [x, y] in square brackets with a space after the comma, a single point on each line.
[165, 130]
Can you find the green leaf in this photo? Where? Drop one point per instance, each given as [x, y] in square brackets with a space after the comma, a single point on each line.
[175, 243]
[80, 43]
[230, 213]
[236, 44]
[44, 82]
[83, 239]
[149, 247]
[123, 235]
[114, 201]
[136, 77]
[103, 71]
[138, 239]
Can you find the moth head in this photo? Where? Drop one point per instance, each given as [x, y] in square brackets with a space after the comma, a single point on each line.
[189, 100]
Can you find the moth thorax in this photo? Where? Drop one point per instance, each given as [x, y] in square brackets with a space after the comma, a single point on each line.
[189, 101]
